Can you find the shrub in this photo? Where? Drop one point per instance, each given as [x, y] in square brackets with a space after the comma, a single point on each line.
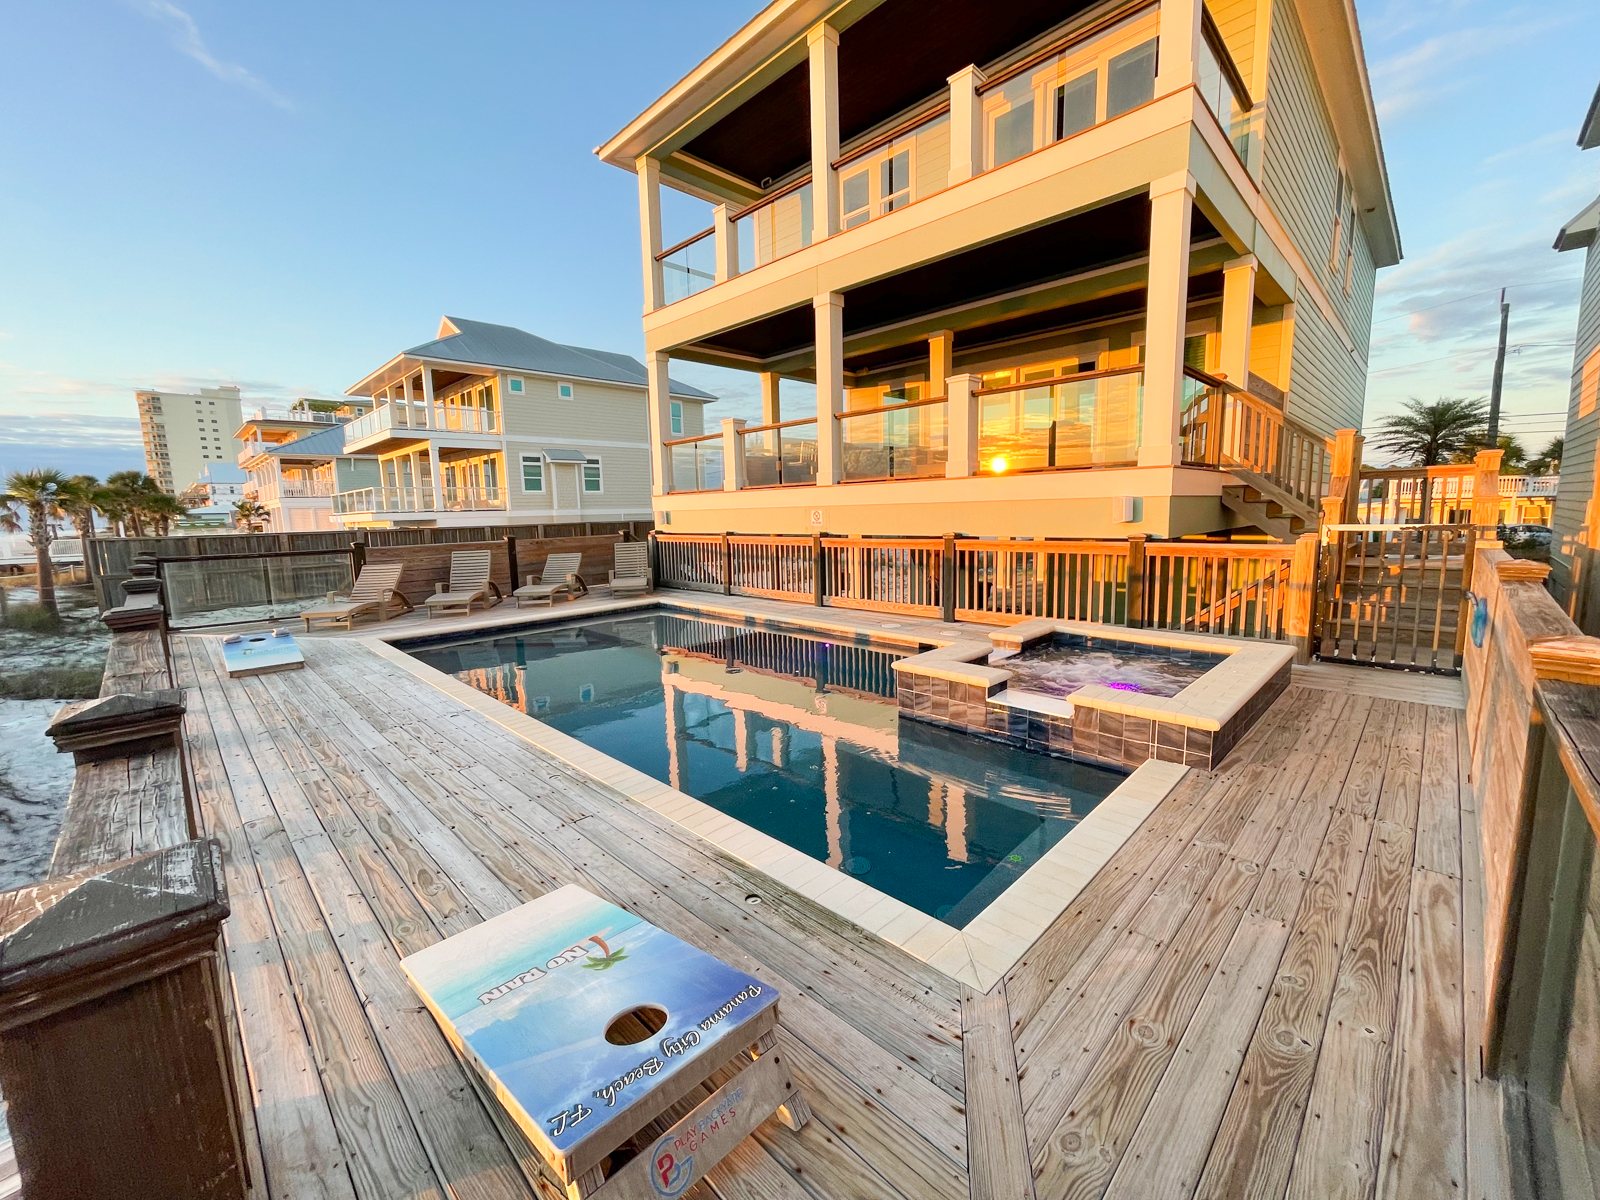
[51, 683]
[33, 618]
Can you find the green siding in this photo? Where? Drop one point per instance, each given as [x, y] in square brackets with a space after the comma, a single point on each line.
[1578, 458]
[1328, 383]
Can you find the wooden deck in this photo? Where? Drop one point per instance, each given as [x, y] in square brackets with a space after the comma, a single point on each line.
[1266, 992]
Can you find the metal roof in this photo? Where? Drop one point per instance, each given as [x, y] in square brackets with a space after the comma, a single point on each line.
[558, 454]
[518, 350]
[1581, 230]
[324, 443]
[1589, 131]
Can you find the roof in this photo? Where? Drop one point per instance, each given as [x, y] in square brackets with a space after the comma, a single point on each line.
[324, 443]
[223, 472]
[506, 346]
[1580, 231]
[1589, 131]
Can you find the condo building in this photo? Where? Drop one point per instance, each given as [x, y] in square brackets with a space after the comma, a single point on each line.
[184, 432]
[490, 425]
[1065, 270]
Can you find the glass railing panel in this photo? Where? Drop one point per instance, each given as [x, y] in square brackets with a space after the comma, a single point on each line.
[224, 589]
[697, 465]
[774, 228]
[909, 442]
[1225, 103]
[912, 166]
[1084, 84]
[781, 456]
[689, 268]
[1068, 423]
[1203, 411]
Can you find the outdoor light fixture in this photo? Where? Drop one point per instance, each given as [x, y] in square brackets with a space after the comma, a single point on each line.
[997, 464]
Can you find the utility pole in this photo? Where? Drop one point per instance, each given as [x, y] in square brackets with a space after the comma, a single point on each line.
[1499, 376]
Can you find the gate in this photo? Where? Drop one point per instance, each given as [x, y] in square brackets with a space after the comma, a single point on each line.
[1391, 595]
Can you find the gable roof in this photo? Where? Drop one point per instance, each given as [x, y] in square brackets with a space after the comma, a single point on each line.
[328, 442]
[1581, 230]
[1589, 131]
[464, 341]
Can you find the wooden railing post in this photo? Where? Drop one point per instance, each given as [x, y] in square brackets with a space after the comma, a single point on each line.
[1345, 484]
[819, 570]
[1300, 616]
[947, 580]
[727, 566]
[358, 559]
[1135, 601]
[511, 560]
[1486, 488]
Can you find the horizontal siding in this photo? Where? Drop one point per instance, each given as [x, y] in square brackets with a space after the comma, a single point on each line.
[933, 158]
[625, 478]
[596, 411]
[1236, 21]
[1327, 384]
[1578, 458]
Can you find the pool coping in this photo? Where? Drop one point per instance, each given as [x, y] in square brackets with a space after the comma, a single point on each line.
[979, 955]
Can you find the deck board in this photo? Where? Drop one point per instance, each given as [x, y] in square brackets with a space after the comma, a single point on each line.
[1262, 991]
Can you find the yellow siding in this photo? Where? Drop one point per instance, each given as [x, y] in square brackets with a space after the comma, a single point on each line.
[933, 158]
[1266, 345]
[1236, 21]
[1571, 522]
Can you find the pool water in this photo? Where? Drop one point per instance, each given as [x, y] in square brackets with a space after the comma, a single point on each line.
[797, 736]
[1068, 662]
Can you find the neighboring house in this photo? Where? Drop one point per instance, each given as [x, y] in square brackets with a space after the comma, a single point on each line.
[488, 424]
[1050, 266]
[296, 462]
[1575, 526]
[210, 499]
[183, 432]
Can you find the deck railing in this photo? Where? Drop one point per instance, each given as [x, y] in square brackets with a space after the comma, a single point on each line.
[1241, 590]
[688, 267]
[1416, 495]
[895, 441]
[697, 463]
[414, 415]
[1235, 430]
[781, 455]
[1084, 420]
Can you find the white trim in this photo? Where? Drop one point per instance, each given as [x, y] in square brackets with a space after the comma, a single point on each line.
[522, 477]
[583, 478]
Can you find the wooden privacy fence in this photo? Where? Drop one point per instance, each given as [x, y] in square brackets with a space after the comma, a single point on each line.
[1244, 590]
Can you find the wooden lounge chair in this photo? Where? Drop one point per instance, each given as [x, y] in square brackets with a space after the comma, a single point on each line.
[631, 572]
[560, 578]
[376, 593]
[469, 584]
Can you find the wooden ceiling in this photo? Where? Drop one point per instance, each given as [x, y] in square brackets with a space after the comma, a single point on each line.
[901, 52]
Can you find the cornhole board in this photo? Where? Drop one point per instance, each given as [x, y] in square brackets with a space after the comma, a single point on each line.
[527, 998]
[261, 653]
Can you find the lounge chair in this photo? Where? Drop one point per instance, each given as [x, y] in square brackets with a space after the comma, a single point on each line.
[376, 592]
[469, 584]
[560, 578]
[631, 572]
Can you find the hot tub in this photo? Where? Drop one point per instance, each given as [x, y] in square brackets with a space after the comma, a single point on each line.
[1099, 694]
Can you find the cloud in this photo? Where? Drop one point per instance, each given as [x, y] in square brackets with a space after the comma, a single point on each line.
[186, 39]
[1434, 69]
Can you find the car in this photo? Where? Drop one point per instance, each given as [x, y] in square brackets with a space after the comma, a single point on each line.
[1526, 541]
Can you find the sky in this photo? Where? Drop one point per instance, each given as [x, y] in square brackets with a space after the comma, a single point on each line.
[283, 195]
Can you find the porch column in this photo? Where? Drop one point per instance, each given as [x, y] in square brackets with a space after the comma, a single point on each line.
[961, 459]
[771, 410]
[435, 479]
[649, 171]
[966, 125]
[732, 453]
[1238, 311]
[1486, 487]
[1166, 309]
[724, 234]
[829, 313]
[1177, 51]
[660, 411]
[823, 46]
[1286, 355]
[940, 367]
[405, 392]
[427, 397]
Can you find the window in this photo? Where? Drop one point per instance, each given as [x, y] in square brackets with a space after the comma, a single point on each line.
[895, 181]
[1350, 251]
[514, 385]
[1013, 132]
[591, 475]
[677, 418]
[1131, 79]
[857, 199]
[1075, 104]
[532, 473]
[564, 391]
[1338, 223]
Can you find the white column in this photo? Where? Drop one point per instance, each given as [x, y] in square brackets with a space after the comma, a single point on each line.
[829, 312]
[966, 125]
[650, 228]
[961, 459]
[743, 739]
[833, 804]
[955, 822]
[732, 454]
[771, 409]
[823, 44]
[435, 478]
[1238, 311]
[725, 235]
[1285, 380]
[427, 397]
[660, 406]
[405, 408]
[941, 349]
[1178, 51]
[677, 760]
[1166, 310]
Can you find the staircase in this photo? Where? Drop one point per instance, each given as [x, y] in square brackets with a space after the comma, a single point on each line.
[1268, 507]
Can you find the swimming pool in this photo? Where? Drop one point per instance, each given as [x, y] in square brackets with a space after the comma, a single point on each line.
[796, 735]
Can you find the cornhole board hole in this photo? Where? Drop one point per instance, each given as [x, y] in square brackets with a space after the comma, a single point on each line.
[261, 653]
[599, 1035]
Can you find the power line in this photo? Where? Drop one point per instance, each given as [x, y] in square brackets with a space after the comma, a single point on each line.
[1475, 295]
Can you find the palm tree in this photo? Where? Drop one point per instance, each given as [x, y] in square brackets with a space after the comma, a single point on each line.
[1548, 460]
[163, 510]
[611, 959]
[137, 496]
[38, 494]
[1428, 434]
[80, 497]
[247, 514]
[1512, 454]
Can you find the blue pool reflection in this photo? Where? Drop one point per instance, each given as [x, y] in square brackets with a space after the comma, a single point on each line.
[797, 736]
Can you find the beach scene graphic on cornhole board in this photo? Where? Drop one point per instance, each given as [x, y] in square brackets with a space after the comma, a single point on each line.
[530, 994]
[261, 653]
